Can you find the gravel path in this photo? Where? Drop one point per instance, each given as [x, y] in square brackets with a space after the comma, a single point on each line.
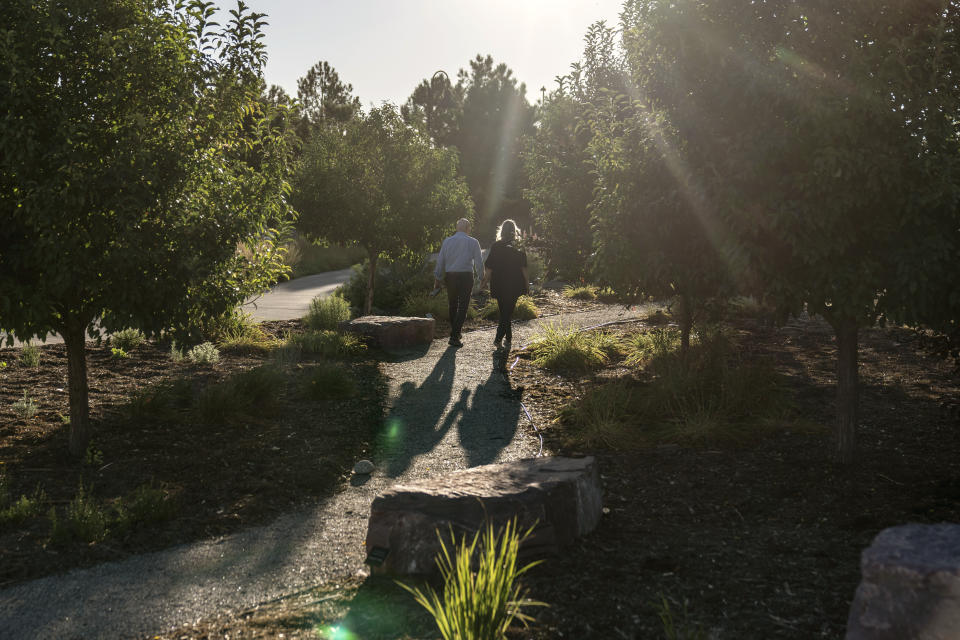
[449, 409]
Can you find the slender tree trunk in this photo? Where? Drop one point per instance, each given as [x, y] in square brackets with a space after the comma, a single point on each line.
[74, 337]
[685, 319]
[848, 400]
[368, 304]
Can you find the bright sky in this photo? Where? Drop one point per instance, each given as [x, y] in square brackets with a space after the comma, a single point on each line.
[384, 48]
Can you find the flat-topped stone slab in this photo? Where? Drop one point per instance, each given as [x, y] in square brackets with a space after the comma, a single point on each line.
[392, 332]
[561, 496]
[910, 585]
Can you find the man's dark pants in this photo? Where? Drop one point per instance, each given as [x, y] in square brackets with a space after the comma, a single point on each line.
[459, 288]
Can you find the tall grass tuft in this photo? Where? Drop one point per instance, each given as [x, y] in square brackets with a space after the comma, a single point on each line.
[584, 292]
[482, 603]
[526, 309]
[13, 512]
[85, 521]
[325, 344]
[30, 355]
[559, 348]
[326, 313]
[253, 392]
[643, 346]
[245, 338]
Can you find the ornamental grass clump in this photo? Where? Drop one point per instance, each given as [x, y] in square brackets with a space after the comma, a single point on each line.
[481, 594]
[325, 344]
[30, 356]
[327, 312]
[526, 309]
[25, 407]
[584, 292]
[84, 521]
[557, 347]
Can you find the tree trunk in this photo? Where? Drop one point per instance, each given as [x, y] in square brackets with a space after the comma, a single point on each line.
[74, 337]
[845, 428]
[368, 304]
[685, 320]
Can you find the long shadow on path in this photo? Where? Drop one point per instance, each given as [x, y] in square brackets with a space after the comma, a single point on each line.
[414, 425]
[490, 423]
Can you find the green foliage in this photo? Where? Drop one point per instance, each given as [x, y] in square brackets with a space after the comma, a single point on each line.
[327, 312]
[420, 303]
[160, 402]
[323, 100]
[678, 629]
[116, 353]
[399, 280]
[14, 512]
[480, 603]
[146, 506]
[245, 337]
[380, 184]
[329, 381]
[583, 292]
[326, 344]
[30, 355]
[559, 348]
[93, 456]
[25, 408]
[642, 346]
[127, 339]
[85, 521]
[307, 258]
[251, 392]
[204, 353]
[140, 160]
[526, 309]
[176, 354]
[710, 396]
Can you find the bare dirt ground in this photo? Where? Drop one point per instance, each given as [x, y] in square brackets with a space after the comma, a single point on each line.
[759, 539]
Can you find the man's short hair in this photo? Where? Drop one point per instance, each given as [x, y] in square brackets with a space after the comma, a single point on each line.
[463, 225]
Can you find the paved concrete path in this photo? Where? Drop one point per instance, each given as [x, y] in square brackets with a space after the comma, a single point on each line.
[449, 409]
[290, 300]
[286, 301]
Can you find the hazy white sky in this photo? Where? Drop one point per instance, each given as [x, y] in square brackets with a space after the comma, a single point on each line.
[384, 48]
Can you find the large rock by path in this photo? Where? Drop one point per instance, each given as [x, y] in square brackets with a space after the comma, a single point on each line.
[910, 585]
[561, 495]
[393, 332]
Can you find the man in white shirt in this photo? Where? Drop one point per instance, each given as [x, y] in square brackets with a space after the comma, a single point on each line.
[459, 263]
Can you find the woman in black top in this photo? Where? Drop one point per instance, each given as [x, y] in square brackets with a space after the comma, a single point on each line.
[506, 270]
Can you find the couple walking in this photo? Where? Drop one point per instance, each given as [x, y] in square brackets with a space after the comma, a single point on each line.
[505, 270]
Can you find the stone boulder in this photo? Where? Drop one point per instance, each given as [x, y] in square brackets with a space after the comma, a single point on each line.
[392, 332]
[910, 585]
[561, 496]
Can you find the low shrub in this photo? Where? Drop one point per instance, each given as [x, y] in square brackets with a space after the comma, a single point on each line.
[329, 381]
[84, 521]
[127, 339]
[30, 355]
[116, 353]
[526, 309]
[25, 408]
[325, 344]
[559, 348]
[159, 402]
[204, 353]
[481, 594]
[396, 279]
[640, 347]
[251, 392]
[246, 339]
[147, 505]
[583, 292]
[14, 512]
[327, 312]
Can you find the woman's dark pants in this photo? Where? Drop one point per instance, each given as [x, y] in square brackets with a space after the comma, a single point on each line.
[504, 329]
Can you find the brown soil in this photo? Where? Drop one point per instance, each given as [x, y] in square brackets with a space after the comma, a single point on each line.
[759, 539]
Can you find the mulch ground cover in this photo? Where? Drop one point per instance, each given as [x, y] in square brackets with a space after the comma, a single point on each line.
[222, 474]
[755, 539]
[758, 539]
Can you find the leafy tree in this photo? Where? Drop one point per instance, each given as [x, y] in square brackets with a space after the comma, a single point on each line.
[485, 115]
[808, 125]
[126, 147]
[557, 156]
[324, 99]
[381, 184]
